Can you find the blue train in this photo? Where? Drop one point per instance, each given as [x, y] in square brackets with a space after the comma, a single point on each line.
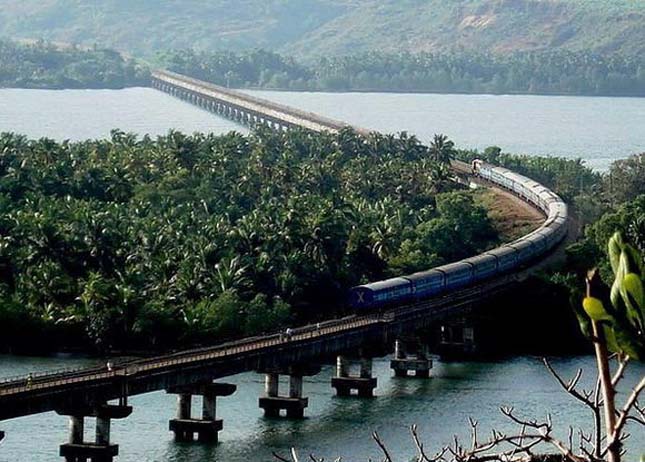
[470, 271]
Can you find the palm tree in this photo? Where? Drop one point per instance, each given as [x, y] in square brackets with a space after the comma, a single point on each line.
[442, 150]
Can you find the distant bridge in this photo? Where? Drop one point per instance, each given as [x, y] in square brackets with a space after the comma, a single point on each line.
[242, 108]
[88, 392]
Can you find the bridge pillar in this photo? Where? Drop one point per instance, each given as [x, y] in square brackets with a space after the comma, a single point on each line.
[293, 404]
[184, 405]
[295, 386]
[102, 431]
[101, 450]
[76, 429]
[208, 426]
[410, 356]
[271, 384]
[457, 340]
[345, 383]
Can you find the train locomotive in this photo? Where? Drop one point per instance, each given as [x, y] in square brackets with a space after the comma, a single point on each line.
[464, 273]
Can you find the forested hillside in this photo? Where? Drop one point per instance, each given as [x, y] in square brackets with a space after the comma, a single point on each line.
[45, 65]
[320, 27]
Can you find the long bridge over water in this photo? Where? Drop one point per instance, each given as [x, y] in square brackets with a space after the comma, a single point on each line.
[103, 392]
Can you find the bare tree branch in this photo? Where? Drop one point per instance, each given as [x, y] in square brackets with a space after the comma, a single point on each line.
[544, 429]
[570, 387]
[421, 455]
[280, 458]
[622, 363]
[381, 445]
[623, 415]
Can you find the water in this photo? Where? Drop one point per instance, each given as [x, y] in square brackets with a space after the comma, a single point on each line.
[333, 426]
[597, 129]
[90, 114]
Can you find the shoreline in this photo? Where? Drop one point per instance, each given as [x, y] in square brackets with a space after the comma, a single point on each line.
[351, 91]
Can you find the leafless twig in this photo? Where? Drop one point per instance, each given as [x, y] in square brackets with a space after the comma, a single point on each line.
[384, 450]
[623, 360]
[421, 454]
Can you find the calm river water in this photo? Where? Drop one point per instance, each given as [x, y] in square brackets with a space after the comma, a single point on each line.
[596, 129]
[334, 426]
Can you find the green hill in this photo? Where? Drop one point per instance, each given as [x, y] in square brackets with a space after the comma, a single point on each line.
[321, 27]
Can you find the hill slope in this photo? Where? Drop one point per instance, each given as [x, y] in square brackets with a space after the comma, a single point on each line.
[318, 27]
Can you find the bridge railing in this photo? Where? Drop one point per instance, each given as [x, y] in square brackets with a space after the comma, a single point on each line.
[40, 375]
[49, 380]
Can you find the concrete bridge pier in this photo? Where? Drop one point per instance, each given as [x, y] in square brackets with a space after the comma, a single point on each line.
[207, 428]
[410, 355]
[457, 340]
[101, 450]
[344, 383]
[294, 404]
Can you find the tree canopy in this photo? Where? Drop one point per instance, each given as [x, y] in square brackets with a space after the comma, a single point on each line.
[201, 238]
[455, 71]
[45, 65]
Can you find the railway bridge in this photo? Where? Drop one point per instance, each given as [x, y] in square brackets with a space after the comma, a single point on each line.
[350, 342]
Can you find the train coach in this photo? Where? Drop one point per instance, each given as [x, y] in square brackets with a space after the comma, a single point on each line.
[504, 259]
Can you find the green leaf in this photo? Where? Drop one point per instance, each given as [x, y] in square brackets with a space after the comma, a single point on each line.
[610, 339]
[615, 249]
[626, 342]
[632, 292]
[583, 320]
[595, 309]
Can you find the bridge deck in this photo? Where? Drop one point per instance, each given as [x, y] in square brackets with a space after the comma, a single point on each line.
[286, 114]
[19, 397]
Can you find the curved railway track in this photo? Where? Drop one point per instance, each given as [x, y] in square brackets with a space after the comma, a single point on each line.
[69, 381]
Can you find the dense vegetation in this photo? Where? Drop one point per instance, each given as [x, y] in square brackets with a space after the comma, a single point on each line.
[334, 27]
[198, 238]
[570, 178]
[553, 72]
[601, 205]
[44, 65]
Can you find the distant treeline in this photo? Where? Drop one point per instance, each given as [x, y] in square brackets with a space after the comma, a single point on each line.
[553, 72]
[45, 65]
